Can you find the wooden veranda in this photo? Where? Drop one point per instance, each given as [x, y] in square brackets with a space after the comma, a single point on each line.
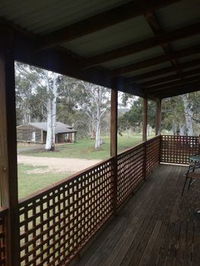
[156, 227]
[148, 48]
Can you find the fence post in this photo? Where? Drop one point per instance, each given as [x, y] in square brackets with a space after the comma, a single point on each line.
[145, 161]
[160, 148]
[145, 110]
[113, 144]
[8, 147]
[158, 117]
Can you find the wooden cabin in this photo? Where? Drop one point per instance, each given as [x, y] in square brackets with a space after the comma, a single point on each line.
[128, 209]
[36, 132]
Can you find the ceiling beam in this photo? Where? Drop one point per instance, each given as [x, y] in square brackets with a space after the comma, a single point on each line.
[171, 84]
[153, 22]
[164, 70]
[102, 21]
[169, 78]
[156, 60]
[161, 39]
[63, 62]
[178, 90]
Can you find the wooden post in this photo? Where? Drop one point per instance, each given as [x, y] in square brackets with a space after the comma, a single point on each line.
[113, 143]
[42, 138]
[144, 137]
[8, 147]
[158, 117]
[145, 108]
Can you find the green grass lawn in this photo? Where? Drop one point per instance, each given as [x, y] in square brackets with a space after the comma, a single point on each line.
[84, 148]
[29, 182]
[32, 178]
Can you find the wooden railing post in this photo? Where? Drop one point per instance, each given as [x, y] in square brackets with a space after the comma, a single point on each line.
[145, 110]
[158, 117]
[145, 161]
[113, 144]
[8, 148]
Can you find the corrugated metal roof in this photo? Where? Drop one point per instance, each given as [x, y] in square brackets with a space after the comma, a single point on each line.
[134, 58]
[48, 15]
[179, 14]
[60, 127]
[147, 69]
[121, 34]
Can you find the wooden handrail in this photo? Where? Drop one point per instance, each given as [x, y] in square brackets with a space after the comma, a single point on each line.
[84, 200]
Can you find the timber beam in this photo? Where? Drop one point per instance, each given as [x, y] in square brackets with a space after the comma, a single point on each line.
[169, 78]
[161, 39]
[153, 22]
[101, 21]
[156, 60]
[8, 147]
[63, 62]
[154, 73]
[171, 84]
[178, 90]
[145, 119]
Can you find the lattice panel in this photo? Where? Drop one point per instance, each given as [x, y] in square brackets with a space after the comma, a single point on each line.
[3, 214]
[152, 154]
[177, 149]
[57, 223]
[130, 171]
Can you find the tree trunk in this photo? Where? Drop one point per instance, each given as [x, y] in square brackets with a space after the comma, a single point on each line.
[188, 115]
[98, 136]
[174, 128]
[98, 122]
[182, 130]
[51, 113]
[49, 126]
[54, 98]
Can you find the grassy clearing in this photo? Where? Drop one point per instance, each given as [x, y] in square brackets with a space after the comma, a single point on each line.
[30, 179]
[84, 149]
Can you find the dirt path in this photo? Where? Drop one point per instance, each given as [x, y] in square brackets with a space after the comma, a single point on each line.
[56, 164]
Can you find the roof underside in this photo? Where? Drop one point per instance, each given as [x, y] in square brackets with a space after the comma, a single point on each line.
[148, 48]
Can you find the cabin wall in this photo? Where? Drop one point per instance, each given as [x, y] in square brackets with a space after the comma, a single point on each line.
[65, 137]
[28, 133]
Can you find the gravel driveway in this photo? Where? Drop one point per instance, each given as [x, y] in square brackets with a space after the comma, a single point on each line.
[57, 164]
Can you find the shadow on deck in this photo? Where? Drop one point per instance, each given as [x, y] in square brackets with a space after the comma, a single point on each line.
[155, 227]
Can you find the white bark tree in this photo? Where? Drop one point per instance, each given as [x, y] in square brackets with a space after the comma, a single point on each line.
[52, 90]
[188, 115]
[95, 106]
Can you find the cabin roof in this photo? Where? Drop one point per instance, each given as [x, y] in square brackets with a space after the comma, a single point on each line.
[60, 127]
[144, 47]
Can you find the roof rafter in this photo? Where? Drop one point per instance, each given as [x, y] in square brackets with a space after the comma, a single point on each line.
[164, 70]
[158, 40]
[169, 78]
[171, 84]
[178, 90]
[156, 60]
[156, 28]
[101, 21]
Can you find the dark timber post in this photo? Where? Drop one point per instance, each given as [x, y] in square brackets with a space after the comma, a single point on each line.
[113, 143]
[8, 148]
[158, 117]
[145, 108]
[144, 137]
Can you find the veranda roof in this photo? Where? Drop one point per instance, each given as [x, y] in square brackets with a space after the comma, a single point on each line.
[149, 48]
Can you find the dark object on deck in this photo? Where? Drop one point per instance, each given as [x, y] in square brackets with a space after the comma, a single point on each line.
[37, 133]
[192, 174]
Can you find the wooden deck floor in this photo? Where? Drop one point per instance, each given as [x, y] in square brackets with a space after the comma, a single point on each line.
[156, 227]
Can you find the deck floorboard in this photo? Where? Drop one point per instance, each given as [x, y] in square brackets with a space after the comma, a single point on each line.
[157, 226]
